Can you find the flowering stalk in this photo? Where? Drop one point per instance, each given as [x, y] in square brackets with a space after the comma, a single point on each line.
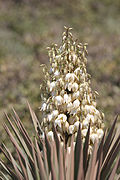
[68, 99]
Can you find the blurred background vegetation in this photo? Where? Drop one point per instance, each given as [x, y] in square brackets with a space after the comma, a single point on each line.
[27, 27]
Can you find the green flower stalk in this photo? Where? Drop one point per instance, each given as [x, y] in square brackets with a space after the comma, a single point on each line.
[68, 99]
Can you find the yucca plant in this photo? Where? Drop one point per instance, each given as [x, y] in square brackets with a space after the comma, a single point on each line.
[70, 143]
[67, 97]
[36, 159]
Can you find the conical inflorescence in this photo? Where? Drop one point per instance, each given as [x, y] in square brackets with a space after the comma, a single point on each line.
[67, 97]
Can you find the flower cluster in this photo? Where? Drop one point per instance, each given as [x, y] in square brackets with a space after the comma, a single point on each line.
[68, 99]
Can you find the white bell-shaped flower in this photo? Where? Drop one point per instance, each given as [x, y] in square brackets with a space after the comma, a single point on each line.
[76, 103]
[93, 137]
[50, 117]
[97, 112]
[58, 100]
[67, 98]
[85, 123]
[84, 132]
[90, 118]
[100, 133]
[78, 71]
[69, 107]
[55, 113]
[74, 87]
[57, 73]
[75, 95]
[70, 77]
[58, 123]
[52, 85]
[89, 109]
[50, 135]
[76, 125]
[71, 129]
[44, 106]
[69, 86]
[62, 117]
[58, 57]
